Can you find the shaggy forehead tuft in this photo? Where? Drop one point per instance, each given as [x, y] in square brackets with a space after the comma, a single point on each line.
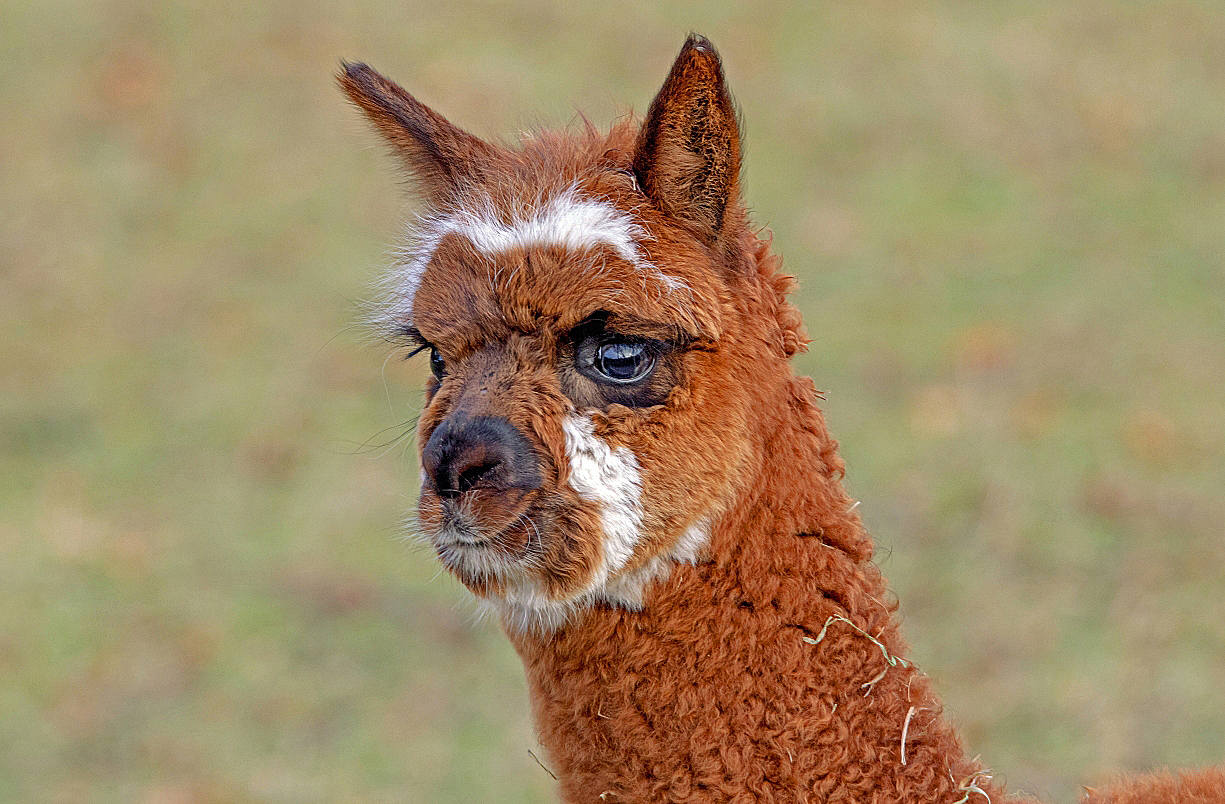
[565, 220]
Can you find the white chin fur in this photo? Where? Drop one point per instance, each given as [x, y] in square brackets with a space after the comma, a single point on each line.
[525, 609]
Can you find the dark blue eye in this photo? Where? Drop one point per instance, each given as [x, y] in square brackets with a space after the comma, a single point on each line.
[437, 364]
[624, 361]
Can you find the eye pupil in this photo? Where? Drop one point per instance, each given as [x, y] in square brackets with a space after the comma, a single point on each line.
[624, 361]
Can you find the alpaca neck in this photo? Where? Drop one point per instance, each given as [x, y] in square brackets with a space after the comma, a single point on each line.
[773, 665]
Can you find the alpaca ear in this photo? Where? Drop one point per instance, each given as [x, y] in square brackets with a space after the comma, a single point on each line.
[687, 158]
[442, 156]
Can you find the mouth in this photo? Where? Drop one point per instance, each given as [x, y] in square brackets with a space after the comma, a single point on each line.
[463, 541]
[480, 542]
[458, 530]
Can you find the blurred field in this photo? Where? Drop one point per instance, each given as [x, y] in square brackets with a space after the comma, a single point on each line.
[1009, 222]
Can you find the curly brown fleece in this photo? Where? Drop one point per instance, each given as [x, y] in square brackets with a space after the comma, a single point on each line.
[769, 669]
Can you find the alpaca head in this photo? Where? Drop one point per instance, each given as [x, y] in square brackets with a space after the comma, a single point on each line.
[600, 323]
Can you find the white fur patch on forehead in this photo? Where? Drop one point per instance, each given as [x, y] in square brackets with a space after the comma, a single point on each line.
[565, 220]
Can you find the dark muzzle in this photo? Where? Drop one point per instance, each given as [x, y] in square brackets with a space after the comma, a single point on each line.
[489, 453]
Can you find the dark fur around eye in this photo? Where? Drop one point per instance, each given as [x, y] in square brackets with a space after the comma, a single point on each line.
[601, 366]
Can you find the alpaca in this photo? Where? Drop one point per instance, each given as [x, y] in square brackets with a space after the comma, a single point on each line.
[618, 459]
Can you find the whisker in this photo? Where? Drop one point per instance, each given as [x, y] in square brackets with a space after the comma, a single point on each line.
[368, 446]
[386, 389]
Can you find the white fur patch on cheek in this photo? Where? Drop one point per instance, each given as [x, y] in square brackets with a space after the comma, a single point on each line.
[610, 478]
[629, 589]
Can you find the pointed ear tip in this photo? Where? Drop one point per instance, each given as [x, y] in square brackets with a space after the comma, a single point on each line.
[695, 43]
[364, 84]
[352, 72]
[347, 75]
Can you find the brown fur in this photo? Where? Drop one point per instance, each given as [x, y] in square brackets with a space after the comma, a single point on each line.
[1206, 786]
[769, 670]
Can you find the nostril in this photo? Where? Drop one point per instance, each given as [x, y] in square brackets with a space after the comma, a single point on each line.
[468, 478]
[466, 467]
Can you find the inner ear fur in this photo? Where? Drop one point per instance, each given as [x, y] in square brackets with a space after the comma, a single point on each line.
[687, 158]
[444, 158]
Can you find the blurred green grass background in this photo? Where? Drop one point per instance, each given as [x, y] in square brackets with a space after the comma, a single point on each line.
[1009, 224]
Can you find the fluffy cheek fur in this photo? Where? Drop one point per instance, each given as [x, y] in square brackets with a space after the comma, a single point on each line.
[690, 461]
[627, 494]
[542, 549]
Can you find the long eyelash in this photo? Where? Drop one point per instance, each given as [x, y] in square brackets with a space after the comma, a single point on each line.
[415, 342]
